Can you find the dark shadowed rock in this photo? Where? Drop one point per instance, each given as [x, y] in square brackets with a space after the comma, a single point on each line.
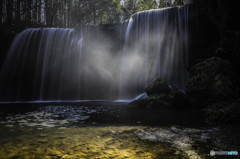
[156, 101]
[157, 104]
[161, 96]
[156, 87]
[179, 99]
[211, 80]
[140, 103]
[224, 112]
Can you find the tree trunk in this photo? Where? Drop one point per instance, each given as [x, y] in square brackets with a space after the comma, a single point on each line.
[1, 6]
[39, 14]
[47, 12]
[17, 17]
[35, 12]
[65, 14]
[29, 16]
[69, 14]
[9, 12]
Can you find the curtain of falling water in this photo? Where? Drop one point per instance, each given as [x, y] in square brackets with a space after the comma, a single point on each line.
[39, 63]
[85, 62]
[160, 36]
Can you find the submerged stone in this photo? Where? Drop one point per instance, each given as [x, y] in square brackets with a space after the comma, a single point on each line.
[43, 141]
[43, 135]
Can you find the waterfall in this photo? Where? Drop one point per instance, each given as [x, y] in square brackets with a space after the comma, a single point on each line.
[38, 63]
[160, 38]
[97, 62]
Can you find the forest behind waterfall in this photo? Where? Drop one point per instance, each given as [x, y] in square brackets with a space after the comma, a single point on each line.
[71, 13]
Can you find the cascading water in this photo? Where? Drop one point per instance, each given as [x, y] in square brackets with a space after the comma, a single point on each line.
[160, 38]
[30, 72]
[96, 62]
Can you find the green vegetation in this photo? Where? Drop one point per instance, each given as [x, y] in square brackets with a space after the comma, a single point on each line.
[146, 4]
[71, 13]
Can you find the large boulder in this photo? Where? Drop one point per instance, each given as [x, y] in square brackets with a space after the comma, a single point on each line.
[161, 96]
[211, 79]
[156, 101]
[157, 86]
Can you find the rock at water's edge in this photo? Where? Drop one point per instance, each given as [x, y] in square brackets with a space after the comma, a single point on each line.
[157, 86]
[211, 80]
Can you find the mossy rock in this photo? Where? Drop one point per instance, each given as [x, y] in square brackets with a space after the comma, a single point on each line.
[162, 100]
[157, 86]
[140, 103]
[211, 80]
[157, 104]
[160, 96]
[152, 101]
[157, 101]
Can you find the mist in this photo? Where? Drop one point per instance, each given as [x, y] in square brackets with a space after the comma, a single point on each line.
[112, 61]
